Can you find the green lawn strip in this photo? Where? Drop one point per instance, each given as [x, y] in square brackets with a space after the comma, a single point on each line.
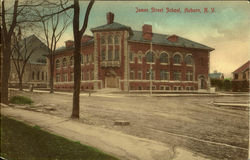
[20, 141]
[20, 100]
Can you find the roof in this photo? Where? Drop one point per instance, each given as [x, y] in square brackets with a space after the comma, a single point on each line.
[112, 26]
[243, 67]
[215, 75]
[162, 40]
[38, 47]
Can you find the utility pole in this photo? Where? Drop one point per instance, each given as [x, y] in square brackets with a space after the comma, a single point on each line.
[150, 70]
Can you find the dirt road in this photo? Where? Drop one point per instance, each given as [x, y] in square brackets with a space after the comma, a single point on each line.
[192, 123]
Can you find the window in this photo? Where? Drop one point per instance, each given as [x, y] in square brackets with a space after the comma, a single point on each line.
[164, 58]
[132, 75]
[33, 75]
[162, 87]
[150, 57]
[65, 77]
[177, 59]
[110, 39]
[92, 57]
[57, 77]
[102, 40]
[139, 88]
[57, 63]
[110, 56]
[139, 58]
[152, 75]
[236, 76]
[116, 40]
[87, 58]
[117, 55]
[139, 75]
[38, 75]
[131, 57]
[71, 61]
[82, 75]
[189, 76]
[189, 60]
[72, 76]
[92, 75]
[177, 75]
[82, 59]
[164, 75]
[64, 62]
[147, 75]
[42, 75]
[103, 55]
[167, 88]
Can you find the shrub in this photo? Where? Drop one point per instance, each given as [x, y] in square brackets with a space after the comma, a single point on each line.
[20, 100]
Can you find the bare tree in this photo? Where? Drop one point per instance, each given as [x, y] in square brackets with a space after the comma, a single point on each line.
[78, 33]
[53, 28]
[6, 37]
[21, 54]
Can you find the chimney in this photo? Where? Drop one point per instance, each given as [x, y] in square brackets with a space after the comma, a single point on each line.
[69, 43]
[110, 17]
[147, 32]
[86, 38]
[173, 38]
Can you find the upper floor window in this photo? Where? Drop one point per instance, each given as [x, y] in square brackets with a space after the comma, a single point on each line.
[82, 75]
[33, 75]
[64, 63]
[139, 75]
[164, 58]
[57, 63]
[87, 58]
[117, 55]
[139, 58]
[110, 56]
[38, 75]
[58, 77]
[71, 61]
[132, 75]
[82, 59]
[150, 57]
[131, 57]
[148, 73]
[110, 39]
[177, 59]
[102, 40]
[103, 55]
[177, 75]
[236, 76]
[189, 76]
[116, 40]
[164, 75]
[189, 60]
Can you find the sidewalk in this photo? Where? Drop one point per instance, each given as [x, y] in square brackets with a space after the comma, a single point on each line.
[122, 146]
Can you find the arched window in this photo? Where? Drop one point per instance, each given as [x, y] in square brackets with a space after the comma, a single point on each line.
[71, 61]
[102, 40]
[110, 39]
[150, 57]
[57, 63]
[177, 59]
[64, 62]
[116, 40]
[189, 60]
[164, 58]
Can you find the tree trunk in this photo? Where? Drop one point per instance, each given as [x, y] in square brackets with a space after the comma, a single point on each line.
[77, 79]
[51, 81]
[21, 83]
[5, 72]
[77, 62]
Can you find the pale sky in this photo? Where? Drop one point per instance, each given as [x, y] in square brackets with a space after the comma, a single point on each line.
[227, 29]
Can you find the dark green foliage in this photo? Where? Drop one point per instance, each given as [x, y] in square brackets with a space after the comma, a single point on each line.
[20, 100]
[23, 142]
[240, 86]
[227, 85]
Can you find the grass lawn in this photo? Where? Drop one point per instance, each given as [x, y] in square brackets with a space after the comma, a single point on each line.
[24, 142]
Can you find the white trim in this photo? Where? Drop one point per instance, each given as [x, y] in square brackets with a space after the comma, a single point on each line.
[159, 81]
